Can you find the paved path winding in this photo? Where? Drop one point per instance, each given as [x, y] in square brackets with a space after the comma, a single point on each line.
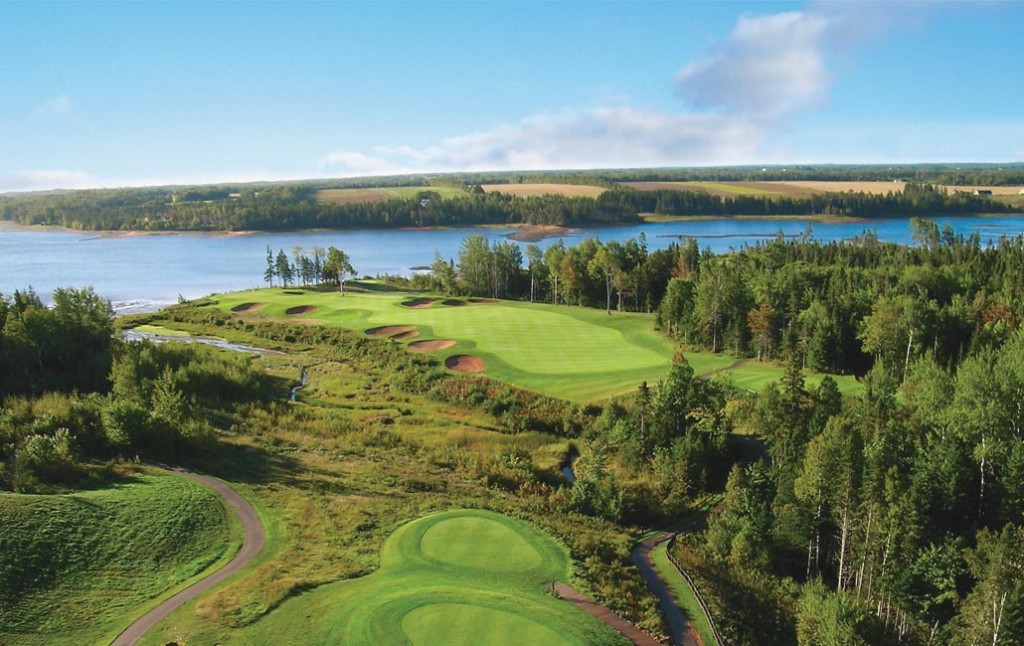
[252, 543]
[588, 605]
[678, 630]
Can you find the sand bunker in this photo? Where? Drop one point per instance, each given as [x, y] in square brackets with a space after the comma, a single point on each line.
[482, 301]
[247, 307]
[301, 309]
[402, 336]
[464, 363]
[430, 346]
[388, 330]
[419, 303]
[453, 302]
[293, 291]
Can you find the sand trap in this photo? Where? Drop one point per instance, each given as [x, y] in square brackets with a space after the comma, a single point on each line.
[293, 291]
[430, 346]
[482, 301]
[453, 302]
[402, 336]
[247, 307]
[388, 330]
[419, 303]
[464, 363]
[301, 309]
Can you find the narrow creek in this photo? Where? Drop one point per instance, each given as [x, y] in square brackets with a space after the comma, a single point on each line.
[567, 470]
[136, 335]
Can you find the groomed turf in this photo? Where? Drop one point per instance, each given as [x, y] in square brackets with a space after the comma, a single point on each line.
[78, 568]
[456, 577]
[574, 353]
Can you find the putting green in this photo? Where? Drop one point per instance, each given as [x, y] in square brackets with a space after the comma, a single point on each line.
[480, 543]
[464, 576]
[459, 624]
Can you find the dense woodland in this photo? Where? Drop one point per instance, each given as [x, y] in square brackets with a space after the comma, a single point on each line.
[292, 206]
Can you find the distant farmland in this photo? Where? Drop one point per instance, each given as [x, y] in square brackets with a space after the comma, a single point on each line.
[354, 195]
[770, 189]
[533, 190]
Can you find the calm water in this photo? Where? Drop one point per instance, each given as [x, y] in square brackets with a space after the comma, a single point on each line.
[149, 270]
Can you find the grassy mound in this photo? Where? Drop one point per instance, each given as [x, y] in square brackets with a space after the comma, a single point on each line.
[78, 568]
[457, 577]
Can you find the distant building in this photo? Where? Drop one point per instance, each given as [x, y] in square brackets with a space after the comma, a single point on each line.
[982, 192]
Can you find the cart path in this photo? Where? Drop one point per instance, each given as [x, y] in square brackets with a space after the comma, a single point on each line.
[252, 543]
[588, 605]
[678, 629]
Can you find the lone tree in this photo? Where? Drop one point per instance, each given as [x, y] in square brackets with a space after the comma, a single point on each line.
[338, 264]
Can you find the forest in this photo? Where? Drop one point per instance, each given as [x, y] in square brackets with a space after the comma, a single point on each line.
[294, 206]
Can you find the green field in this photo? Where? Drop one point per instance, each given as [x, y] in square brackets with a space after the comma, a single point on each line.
[89, 563]
[574, 353]
[455, 577]
[354, 195]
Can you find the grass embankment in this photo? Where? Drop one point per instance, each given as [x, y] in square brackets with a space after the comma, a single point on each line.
[355, 195]
[78, 568]
[683, 595]
[456, 577]
[578, 354]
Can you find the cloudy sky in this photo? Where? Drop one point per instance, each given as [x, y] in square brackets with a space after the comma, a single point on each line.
[95, 94]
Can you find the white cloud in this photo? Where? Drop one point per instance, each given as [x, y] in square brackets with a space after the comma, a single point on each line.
[60, 105]
[595, 138]
[769, 67]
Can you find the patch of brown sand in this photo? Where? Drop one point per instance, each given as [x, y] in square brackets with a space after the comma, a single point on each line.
[453, 302]
[430, 346]
[301, 309]
[464, 363]
[246, 307]
[402, 336]
[388, 330]
[419, 303]
[482, 301]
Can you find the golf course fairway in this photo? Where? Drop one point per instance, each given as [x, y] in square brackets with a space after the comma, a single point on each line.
[574, 353]
[457, 577]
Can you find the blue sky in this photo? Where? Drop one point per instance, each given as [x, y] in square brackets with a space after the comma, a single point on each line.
[95, 94]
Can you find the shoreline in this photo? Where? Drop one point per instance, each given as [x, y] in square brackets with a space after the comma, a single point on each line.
[520, 232]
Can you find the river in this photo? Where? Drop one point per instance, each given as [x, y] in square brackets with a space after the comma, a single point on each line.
[139, 272]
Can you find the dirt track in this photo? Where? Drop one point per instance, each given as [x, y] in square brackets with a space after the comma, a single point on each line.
[252, 543]
[588, 605]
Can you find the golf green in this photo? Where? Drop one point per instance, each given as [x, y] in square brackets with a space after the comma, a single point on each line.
[464, 576]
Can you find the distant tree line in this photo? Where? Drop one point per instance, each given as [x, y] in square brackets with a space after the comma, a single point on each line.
[292, 206]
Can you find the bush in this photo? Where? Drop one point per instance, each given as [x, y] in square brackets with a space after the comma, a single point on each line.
[45, 458]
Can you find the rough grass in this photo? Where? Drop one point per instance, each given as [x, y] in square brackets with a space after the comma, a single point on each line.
[578, 354]
[354, 195]
[533, 190]
[78, 568]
